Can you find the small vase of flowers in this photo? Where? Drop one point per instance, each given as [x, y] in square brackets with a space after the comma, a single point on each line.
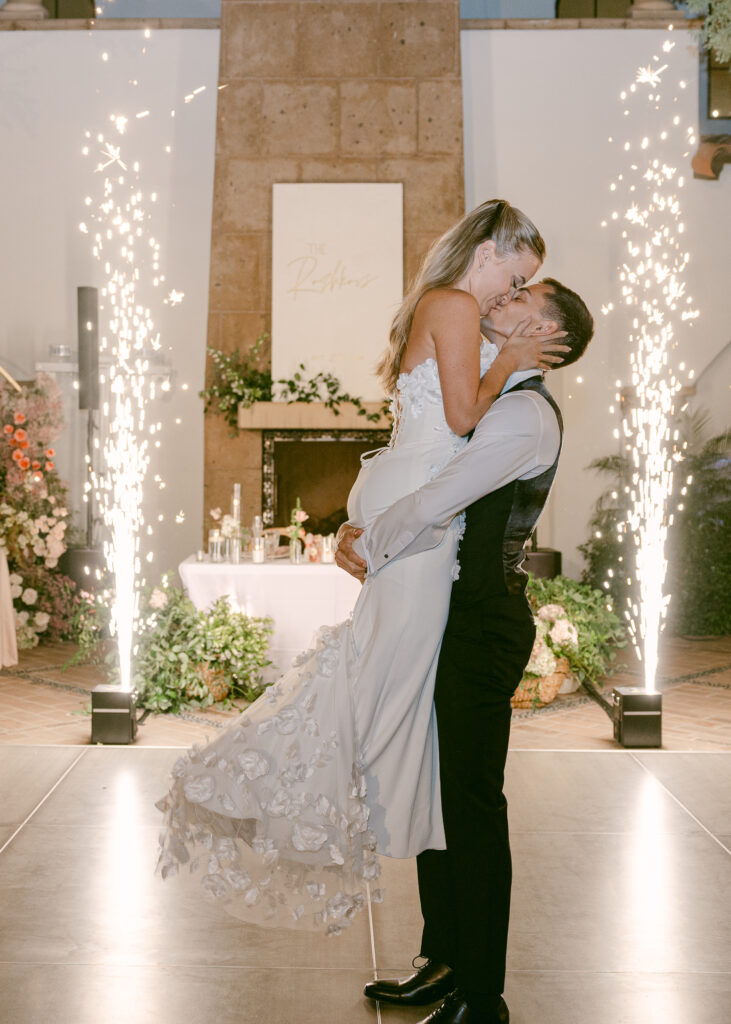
[296, 532]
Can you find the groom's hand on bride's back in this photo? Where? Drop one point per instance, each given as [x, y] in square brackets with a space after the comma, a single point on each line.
[345, 556]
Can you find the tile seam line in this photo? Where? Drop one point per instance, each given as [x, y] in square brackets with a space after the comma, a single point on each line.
[288, 967]
[40, 803]
[373, 948]
[187, 965]
[680, 804]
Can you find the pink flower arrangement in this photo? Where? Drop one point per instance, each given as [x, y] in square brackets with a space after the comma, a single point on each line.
[33, 514]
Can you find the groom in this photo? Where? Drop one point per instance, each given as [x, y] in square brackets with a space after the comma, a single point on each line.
[502, 477]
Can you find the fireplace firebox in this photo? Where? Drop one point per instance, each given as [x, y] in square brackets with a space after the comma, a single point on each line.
[317, 466]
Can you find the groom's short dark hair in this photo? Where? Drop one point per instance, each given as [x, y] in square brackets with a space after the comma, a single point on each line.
[570, 313]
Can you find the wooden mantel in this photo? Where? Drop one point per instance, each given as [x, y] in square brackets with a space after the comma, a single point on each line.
[309, 416]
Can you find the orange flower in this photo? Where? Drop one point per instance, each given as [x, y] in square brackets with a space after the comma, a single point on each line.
[36, 465]
[50, 452]
[49, 467]
[17, 455]
[20, 435]
[24, 444]
[24, 463]
[8, 428]
[19, 417]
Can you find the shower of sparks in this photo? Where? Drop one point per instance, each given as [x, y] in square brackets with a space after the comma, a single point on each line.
[652, 287]
[129, 255]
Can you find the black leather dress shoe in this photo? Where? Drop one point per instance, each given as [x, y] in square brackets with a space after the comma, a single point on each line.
[431, 982]
[454, 1010]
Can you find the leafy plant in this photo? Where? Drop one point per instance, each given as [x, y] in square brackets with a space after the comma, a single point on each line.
[699, 539]
[237, 381]
[598, 631]
[716, 30]
[183, 657]
[187, 657]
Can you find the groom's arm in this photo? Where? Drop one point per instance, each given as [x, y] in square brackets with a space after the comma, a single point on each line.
[518, 437]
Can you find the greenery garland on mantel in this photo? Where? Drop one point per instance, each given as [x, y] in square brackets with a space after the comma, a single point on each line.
[236, 381]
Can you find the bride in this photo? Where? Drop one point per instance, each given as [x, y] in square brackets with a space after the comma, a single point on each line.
[285, 813]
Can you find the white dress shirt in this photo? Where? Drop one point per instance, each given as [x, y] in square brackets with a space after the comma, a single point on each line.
[517, 438]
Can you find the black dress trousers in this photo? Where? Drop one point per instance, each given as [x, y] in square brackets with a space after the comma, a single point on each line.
[465, 889]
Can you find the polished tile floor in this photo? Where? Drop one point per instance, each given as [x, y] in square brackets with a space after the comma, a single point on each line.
[620, 911]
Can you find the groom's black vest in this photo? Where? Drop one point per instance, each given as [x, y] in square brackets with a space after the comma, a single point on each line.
[498, 525]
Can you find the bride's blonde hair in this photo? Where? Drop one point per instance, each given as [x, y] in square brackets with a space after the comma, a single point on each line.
[449, 259]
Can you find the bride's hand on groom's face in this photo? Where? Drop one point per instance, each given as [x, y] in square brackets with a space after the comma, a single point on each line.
[345, 556]
[535, 350]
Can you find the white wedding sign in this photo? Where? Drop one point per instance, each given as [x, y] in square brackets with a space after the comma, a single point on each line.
[337, 279]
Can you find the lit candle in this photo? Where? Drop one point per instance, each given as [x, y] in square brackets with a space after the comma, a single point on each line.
[328, 548]
[257, 550]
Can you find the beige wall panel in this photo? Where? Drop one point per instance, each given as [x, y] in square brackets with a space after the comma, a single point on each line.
[258, 41]
[297, 111]
[418, 40]
[378, 118]
[242, 199]
[237, 273]
[338, 40]
[440, 116]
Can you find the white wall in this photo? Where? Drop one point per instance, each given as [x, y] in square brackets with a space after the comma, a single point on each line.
[539, 108]
[54, 86]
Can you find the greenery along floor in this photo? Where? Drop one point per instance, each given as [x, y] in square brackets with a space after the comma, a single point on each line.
[41, 702]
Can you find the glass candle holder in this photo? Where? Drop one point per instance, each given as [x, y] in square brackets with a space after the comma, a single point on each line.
[215, 546]
[328, 548]
[271, 543]
[257, 550]
[257, 527]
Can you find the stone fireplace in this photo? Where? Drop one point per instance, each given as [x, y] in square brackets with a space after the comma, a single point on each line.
[326, 91]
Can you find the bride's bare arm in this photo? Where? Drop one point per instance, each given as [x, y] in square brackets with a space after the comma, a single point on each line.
[452, 319]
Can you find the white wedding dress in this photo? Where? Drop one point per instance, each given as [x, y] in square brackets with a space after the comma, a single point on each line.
[284, 814]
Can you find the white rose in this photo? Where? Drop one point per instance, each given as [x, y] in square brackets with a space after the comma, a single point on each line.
[21, 618]
[30, 596]
[564, 632]
[42, 619]
[15, 578]
[542, 660]
[158, 599]
[16, 589]
[551, 612]
[51, 563]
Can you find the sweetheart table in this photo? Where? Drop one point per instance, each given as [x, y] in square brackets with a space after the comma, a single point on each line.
[299, 598]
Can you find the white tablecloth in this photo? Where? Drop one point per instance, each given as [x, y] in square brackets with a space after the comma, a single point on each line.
[299, 598]
[8, 647]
